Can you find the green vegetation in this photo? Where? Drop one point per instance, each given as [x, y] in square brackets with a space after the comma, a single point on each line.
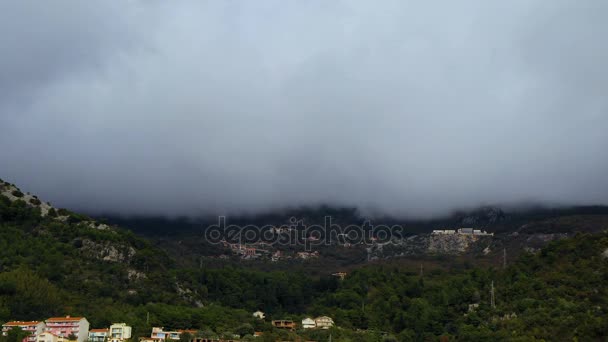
[16, 334]
[53, 267]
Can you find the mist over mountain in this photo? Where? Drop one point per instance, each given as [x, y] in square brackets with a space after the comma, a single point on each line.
[400, 108]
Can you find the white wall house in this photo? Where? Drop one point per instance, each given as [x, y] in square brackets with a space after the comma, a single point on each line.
[308, 323]
[324, 322]
[119, 332]
[47, 337]
[98, 335]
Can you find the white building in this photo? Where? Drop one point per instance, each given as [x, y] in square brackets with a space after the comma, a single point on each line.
[308, 323]
[48, 337]
[259, 314]
[443, 232]
[119, 332]
[98, 335]
[324, 322]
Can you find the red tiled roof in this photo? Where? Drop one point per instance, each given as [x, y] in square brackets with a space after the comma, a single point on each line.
[190, 331]
[99, 330]
[18, 323]
[63, 319]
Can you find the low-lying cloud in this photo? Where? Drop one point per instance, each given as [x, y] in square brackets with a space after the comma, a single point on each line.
[405, 107]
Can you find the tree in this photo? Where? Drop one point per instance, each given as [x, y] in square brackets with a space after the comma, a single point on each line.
[185, 337]
[16, 334]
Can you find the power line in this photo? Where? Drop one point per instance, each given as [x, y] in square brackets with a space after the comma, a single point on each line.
[492, 300]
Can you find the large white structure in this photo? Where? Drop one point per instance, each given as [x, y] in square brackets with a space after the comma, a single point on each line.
[119, 332]
[461, 231]
[308, 323]
[443, 232]
[98, 335]
[324, 322]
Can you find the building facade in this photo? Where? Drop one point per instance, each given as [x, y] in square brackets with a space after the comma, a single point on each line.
[159, 333]
[284, 324]
[98, 335]
[68, 326]
[34, 328]
[119, 332]
[324, 322]
[47, 337]
[308, 323]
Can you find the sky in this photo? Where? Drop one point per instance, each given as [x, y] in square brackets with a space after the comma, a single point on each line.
[408, 108]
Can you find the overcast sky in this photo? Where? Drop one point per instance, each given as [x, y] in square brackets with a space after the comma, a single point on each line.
[407, 107]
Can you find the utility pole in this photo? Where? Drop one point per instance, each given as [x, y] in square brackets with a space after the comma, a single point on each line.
[148, 318]
[421, 270]
[504, 258]
[492, 299]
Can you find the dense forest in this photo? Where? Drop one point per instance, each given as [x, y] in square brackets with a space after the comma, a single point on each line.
[54, 267]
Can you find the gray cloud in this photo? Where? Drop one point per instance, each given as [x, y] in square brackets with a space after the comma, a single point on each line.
[410, 108]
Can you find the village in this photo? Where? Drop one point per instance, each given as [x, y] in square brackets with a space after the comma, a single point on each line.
[267, 251]
[77, 329]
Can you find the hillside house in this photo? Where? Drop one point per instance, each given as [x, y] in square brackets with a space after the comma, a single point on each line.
[150, 339]
[443, 232]
[34, 328]
[284, 324]
[119, 332]
[324, 322]
[159, 333]
[308, 323]
[67, 326]
[98, 335]
[467, 231]
[49, 337]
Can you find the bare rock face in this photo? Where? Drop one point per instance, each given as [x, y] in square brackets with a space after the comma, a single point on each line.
[135, 275]
[107, 251]
[451, 244]
[13, 194]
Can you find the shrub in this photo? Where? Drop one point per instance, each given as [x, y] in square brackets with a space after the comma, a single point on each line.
[17, 193]
[35, 201]
[63, 212]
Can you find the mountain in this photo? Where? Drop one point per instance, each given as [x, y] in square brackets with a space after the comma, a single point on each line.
[515, 231]
[56, 262]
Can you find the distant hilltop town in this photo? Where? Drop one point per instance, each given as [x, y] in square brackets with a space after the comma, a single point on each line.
[461, 231]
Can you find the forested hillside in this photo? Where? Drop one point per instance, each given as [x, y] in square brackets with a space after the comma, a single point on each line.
[68, 264]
